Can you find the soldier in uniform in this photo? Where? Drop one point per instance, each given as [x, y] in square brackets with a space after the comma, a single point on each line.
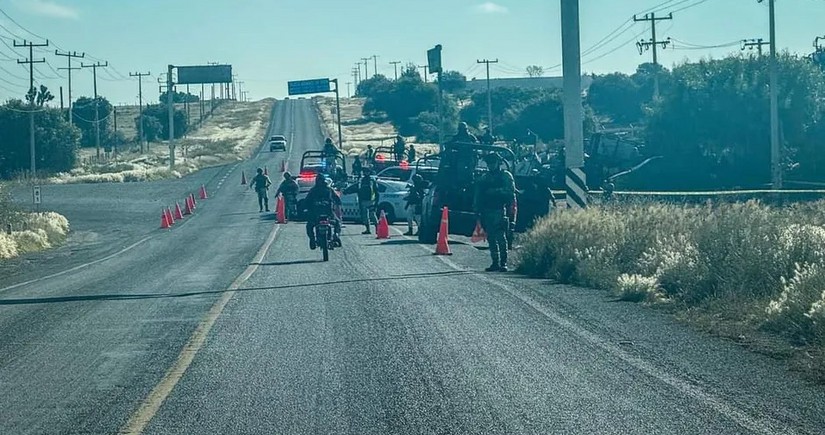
[495, 193]
[464, 134]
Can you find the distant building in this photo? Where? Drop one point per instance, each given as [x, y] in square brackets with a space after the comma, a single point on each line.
[480, 84]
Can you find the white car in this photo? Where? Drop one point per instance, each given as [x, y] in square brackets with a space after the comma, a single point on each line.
[277, 142]
[390, 201]
[405, 173]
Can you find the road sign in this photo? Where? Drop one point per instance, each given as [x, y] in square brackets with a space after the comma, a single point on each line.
[434, 59]
[315, 86]
[190, 75]
[36, 194]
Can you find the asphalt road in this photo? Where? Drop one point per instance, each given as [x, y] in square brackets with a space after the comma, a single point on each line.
[230, 324]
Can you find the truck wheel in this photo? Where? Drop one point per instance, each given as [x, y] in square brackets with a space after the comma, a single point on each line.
[428, 232]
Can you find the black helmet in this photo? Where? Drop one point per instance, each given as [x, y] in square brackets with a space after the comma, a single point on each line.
[328, 141]
[320, 179]
[287, 175]
[260, 171]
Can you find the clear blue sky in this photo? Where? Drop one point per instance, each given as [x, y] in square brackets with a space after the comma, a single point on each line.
[269, 42]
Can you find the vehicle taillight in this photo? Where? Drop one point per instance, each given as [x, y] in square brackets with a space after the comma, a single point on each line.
[307, 174]
[404, 165]
[379, 157]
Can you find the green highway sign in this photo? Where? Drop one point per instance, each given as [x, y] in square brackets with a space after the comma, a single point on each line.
[315, 86]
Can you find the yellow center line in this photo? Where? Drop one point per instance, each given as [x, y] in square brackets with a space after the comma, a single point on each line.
[152, 403]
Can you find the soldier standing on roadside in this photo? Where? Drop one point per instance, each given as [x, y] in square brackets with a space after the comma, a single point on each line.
[495, 193]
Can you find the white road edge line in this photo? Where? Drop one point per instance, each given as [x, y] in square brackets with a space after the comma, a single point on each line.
[761, 425]
[151, 404]
[84, 265]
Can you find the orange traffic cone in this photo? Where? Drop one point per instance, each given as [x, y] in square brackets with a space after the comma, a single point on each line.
[280, 210]
[283, 165]
[203, 192]
[164, 220]
[382, 230]
[187, 209]
[478, 234]
[266, 171]
[178, 212]
[243, 179]
[169, 216]
[192, 199]
[443, 245]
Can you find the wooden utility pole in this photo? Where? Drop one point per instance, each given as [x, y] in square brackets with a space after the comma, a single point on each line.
[94, 68]
[395, 66]
[426, 75]
[749, 44]
[653, 43]
[141, 135]
[489, 94]
[32, 91]
[69, 56]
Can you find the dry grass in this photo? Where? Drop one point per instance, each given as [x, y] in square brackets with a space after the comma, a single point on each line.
[760, 270]
[358, 131]
[229, 135]
[39, 231]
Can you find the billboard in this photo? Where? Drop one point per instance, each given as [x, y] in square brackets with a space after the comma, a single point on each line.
[315, 86]
[434, 59]
[195, 75]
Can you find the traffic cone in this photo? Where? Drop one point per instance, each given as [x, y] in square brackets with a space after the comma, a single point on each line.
[443, 245]
[266, 171]
[382, 230]
[192, 198]
[243, 179]
[178, 212]
[169, 216]
[203, 192]
[479, 234]
[280, 210]
[283, 165]
[187, 210]
[164, 221]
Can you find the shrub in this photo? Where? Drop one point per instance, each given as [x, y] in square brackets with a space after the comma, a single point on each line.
[31, 241]
[798, 310]
[638, 288]
[8, 247]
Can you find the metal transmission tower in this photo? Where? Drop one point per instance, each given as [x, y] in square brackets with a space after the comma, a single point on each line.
[653, 43]
[69, 56]
[94, 68]
[31, 61]
[750, 44]
[140, 77]
[776, 150]
[395, 67]
[489, 94]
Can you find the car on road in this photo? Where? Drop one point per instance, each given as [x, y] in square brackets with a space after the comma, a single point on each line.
[391, 201]
[405, 172]
[277, 142]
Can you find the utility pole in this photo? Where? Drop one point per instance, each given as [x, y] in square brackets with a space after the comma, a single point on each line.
[366, 67]
[240, 87]
[170, 102]
[338, 111]
[489, 94]
[140, 77]
[653, 43]
[69, 56]
[94, 68]
[234, 80]
[348, 87]
[575, 179]
[426, 76]
[201, 103]
[31, 63]
[358, 68]
[749, 44]
[395, 66]
[375, 63]
[61, 98]
[776, 150]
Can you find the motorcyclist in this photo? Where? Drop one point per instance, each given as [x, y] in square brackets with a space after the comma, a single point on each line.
[321, 201]
[289, 188]
[261, 183]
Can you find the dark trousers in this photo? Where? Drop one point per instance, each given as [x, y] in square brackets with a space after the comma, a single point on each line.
[263, 199]
[495, 225]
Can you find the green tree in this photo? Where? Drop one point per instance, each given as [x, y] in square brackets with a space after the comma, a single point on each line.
[373, 86]
[179, 97]
[56, 141]
[535, 71]
[618, 97]
[152, 128]
[83, 112]
[453, 82]
[161, 114]
[712, 124]
[410, 71]
[506, 104]
[39, 96]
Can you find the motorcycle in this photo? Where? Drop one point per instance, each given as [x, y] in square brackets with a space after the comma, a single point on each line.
[324, 236]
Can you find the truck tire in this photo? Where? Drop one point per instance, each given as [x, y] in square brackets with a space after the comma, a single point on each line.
[428, 232]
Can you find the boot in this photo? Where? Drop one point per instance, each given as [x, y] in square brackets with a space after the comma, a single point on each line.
[493, 268]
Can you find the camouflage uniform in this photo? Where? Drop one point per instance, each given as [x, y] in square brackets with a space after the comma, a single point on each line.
[495, 192]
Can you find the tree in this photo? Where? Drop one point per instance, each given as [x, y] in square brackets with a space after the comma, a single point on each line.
[152, 128]
[410, 71]
[535, 71]
[712, 124]
[373, 86]
[506, 102]
[161, 114]
[56, 141]
[39, 96]
[83, 111]
[453, 82]
[179, 97]
[616, 96]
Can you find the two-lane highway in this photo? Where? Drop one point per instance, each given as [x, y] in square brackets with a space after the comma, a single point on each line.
[230, 324]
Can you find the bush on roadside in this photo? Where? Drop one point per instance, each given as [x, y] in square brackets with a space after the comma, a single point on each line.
[31, 241]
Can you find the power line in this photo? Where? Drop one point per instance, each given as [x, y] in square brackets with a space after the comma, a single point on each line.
[94, 67]
[69, 55]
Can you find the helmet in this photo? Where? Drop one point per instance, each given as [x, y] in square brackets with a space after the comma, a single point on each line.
[492, 159]
[260, 171]
[287, 175]
[328, 141]
[320, 179]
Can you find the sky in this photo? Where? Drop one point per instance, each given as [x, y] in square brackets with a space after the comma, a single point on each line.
[270, 42]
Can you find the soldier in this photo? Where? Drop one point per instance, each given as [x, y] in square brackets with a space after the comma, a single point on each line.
[261, 183]
[399, 148]
[411, 154]
[464, 135]
[495, 193]
[488, 138]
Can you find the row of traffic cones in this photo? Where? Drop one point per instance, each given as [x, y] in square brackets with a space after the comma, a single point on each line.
[442, 247]
[168, 217]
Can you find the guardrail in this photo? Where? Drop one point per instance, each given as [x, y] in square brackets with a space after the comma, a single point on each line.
[768, 196]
